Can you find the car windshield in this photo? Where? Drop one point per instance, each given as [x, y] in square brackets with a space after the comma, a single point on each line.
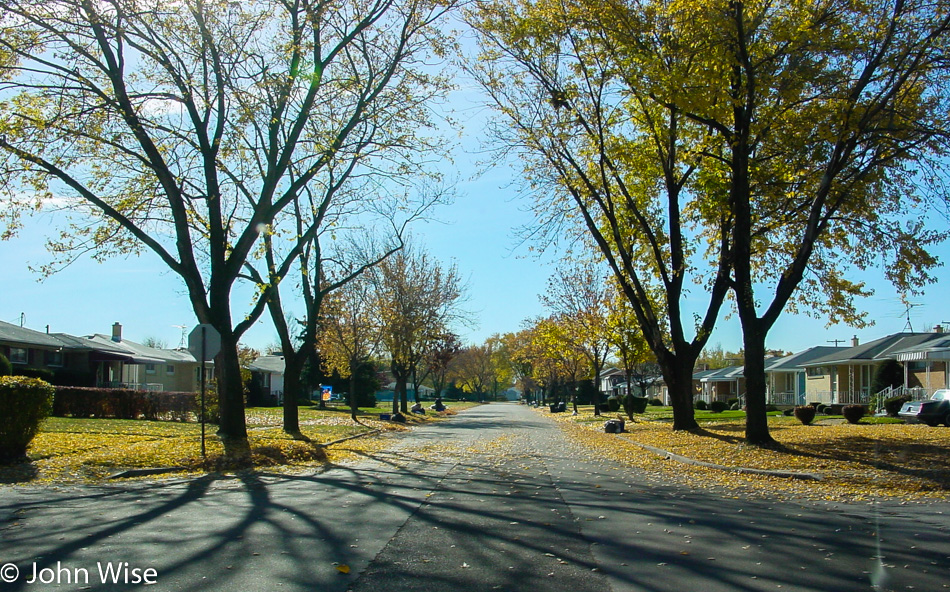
[941, 395]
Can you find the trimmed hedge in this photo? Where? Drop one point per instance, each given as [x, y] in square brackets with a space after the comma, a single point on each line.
[893, 405]
[718, 406]
[853, 413]
[805, 414]
[24, 403]
[102, 403]
[632, 404]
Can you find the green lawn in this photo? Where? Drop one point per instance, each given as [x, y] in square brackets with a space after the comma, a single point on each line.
[662, 414]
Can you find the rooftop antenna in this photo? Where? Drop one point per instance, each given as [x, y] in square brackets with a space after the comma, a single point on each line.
[184, 337]
[908, 306]
[836, 341]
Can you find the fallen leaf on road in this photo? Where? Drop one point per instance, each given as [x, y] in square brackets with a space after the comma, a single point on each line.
[345, 569]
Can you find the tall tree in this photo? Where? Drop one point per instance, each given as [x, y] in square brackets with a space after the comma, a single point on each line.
[795, 142]
[609, 164]
[556, 361]
[630, 347]
[580, 297]
[186, 129]
[826, 129]
[377, 184]
[473, 370]
[349, 333]
[417, 302]
[515, 348]
[440, 359]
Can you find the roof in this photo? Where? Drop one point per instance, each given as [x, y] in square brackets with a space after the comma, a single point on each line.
[134, 352]
[272, 364]
[885, 348]
[15, 334]
[721, 374]
[796, 362]
[125, 350]
[935, 349]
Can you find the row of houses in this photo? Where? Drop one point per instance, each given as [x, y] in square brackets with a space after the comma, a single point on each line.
[829, 375]
[99, 360]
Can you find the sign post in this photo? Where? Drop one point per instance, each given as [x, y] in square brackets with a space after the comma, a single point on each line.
[204, 343]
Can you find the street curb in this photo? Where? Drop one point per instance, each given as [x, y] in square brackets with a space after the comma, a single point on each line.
[145, 472]
[369, 433]
[743, 470]
[162, 470]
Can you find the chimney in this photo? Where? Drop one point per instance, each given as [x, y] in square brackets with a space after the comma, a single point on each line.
[938, 328]
[854, 341]
[117, 332]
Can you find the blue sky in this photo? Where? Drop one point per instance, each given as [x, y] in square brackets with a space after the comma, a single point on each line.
[476, 233]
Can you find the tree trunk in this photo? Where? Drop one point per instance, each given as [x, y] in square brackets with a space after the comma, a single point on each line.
[293, 370]
[679, 381]
[757, 425]
[232, 429]
[352, 394]
[596, 383]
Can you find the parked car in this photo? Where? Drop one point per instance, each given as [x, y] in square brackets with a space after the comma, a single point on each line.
[931, 411]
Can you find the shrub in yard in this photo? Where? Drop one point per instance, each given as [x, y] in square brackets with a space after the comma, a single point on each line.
[6, 368]
[805, 413]
[633, 404]
[732, 401]
[771, 408]
[853, 413]
[718, 406]
[701, 405]
[654, 402]
[24, 403]
[894, 404]
[613, 404]
[821, 408]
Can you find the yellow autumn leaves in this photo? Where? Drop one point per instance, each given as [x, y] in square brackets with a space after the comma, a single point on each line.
[854, 462]
[71, 450]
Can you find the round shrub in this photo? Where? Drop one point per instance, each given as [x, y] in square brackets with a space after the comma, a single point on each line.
[613, 404]
[894, 404]
[24, 403]
[655, 402]
[805, 414]
[853, 413]
[821, 408]
[701, 405]
[632, 404]
[718, 406]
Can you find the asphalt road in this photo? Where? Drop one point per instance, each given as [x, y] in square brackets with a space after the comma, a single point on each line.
[495, 499]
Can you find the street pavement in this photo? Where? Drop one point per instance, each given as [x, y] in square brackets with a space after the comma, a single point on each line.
[497, 498]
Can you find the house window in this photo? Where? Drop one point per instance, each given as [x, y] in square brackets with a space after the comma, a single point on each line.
[19, 355]
[54, 358]
[916, 366]
[169, 369]
[818, 371]
[150, 368]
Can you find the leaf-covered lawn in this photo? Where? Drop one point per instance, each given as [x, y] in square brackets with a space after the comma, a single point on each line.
[861, 461]
[69, 449]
